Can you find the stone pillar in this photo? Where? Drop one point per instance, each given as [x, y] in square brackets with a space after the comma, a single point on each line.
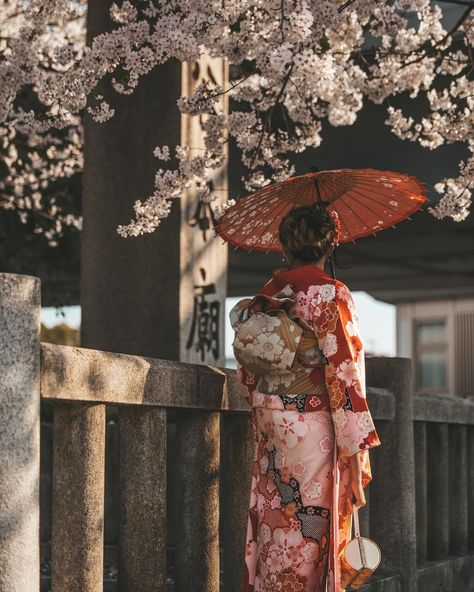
[197, 496]
[19, 433]
[78, 497]
[142, 499]
[203, 259]
[129, 286]
[237, 451]
[470, 486]
[392, 499]
[438, 488]
[152, 295]
[458, 493]
[160, 295]
[421, 493]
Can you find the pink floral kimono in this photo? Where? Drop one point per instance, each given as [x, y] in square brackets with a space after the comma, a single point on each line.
[300, 509]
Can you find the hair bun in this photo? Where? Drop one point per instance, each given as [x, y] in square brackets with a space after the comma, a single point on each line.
[308, 231]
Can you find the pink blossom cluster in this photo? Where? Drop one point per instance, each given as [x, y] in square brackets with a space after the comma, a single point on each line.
[295, 63]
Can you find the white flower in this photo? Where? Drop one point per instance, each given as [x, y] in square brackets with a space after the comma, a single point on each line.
[313, 489]
[292, 429]
[265, 533]
[271, 323]
[275, 380]
[365, 421]
[280, 459]
[268, 346]
[298, 469]
[327, 292]
[45, 55]
[162, 153]
[348, 372]
[326, 444]
[309, 551]
[343, 292]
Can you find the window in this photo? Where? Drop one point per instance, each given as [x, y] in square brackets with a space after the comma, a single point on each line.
[431, 355]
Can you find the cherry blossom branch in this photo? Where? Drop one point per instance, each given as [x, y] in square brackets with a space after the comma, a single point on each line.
[308, 63]
[270, 113]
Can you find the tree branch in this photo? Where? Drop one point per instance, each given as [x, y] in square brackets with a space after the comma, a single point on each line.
[270, 114]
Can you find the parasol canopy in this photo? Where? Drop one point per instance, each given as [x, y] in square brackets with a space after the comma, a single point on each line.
[366, 201]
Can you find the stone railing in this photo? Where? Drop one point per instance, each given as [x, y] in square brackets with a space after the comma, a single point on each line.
[185, 435]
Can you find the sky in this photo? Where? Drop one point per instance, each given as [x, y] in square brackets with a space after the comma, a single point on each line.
[71, 315]
[377, 323]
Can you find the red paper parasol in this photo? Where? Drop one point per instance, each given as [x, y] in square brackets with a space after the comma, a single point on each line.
[366, 201]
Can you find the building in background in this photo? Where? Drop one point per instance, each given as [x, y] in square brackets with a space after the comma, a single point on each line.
[438, 335]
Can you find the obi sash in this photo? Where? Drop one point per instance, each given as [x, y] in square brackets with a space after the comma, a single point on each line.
[277, 346]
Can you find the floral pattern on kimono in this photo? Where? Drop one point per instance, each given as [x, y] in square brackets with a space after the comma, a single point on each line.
[344, 420]
[288, 532]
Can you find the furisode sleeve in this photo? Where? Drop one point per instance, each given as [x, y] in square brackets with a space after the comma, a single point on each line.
[335, 323]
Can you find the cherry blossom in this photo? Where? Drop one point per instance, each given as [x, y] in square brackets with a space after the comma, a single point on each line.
[348, 372]
[293, 64]
[329, 344]
[292, 430]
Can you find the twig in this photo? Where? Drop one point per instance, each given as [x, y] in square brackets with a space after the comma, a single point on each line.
[270, 114]
[345, 5]
[224, 92]
[282, 20]
[305, 100]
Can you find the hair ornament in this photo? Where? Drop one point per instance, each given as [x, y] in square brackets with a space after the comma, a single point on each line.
[337, 223]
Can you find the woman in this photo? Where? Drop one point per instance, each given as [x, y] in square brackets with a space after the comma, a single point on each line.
[312, 439]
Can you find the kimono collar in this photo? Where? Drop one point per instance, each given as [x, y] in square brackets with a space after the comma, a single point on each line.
[283, 276]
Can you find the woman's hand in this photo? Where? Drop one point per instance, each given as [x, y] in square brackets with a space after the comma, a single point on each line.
[355, 485]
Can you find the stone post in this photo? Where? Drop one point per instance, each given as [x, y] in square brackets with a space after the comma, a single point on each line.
[197, 496]
[159, 295]
[19, 433]
[437, 445]
[392, 499]
[129, 287]
[421, 477]
[78, 497]
[458, 492]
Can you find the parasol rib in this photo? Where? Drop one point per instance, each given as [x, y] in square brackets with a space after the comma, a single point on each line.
[357, 215]
[269, 224]
[374, 214]
[363, 205]
[382, 203]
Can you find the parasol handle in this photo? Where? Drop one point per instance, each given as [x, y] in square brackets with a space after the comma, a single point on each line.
[333, 269]
[318, 199]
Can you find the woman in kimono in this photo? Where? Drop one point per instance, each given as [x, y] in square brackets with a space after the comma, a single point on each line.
[311, 424]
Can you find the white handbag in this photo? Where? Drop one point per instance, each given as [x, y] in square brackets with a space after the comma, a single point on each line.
[360, 558]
